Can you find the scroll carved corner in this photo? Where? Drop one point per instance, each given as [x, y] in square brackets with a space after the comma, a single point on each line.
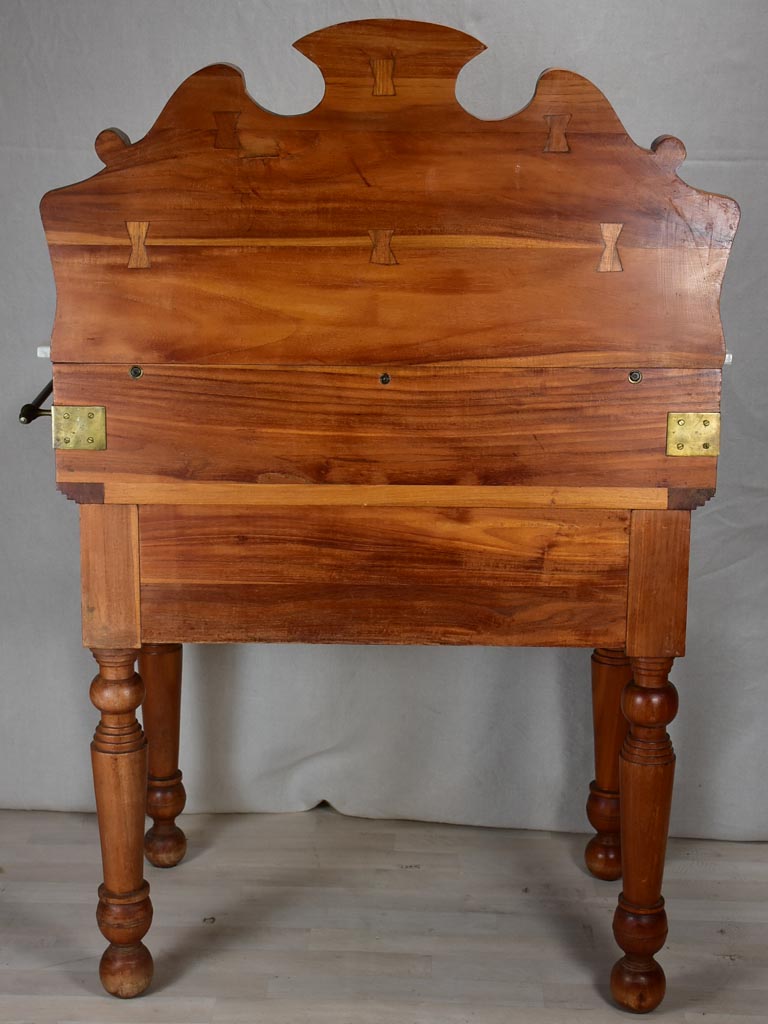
[110, 144]
[668, 152]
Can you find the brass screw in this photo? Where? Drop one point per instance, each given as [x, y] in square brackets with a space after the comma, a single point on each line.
[66, 415]
[90, 415]
[66, 440]
[90, 440]
[705, 422]
[705, 445]
[634, 376]
[680, 446]
[681, 423]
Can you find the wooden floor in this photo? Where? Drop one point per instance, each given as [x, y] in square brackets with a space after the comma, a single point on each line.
[315, 917]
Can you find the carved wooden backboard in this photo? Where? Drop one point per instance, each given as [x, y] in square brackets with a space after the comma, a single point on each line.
[386, 290]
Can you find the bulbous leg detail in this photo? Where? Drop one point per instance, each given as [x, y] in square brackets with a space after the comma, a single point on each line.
[119, 758]
[647, 767]
[611, 671]
[160, 665]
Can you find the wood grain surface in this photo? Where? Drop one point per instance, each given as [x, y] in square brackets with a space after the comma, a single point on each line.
[379, 495]
[658, 583]
[109, 575]
[372, 575]
[480, 425]
[252, 231]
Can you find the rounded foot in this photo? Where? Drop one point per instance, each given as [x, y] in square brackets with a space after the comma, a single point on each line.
[603, 857]
[638, 985]
[165, 845]
[126, 971]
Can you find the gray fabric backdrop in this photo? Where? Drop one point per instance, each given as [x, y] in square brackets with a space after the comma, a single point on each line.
[490, 736]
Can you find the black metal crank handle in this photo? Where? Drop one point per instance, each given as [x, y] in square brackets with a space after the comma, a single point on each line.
[30, 412]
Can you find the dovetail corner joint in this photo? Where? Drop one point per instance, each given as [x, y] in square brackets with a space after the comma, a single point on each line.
[693, 433]
[610, 261]
[381, 251]
[383, 76]
[137, 232]
[226, 129]
[557, 140]
[79, 427]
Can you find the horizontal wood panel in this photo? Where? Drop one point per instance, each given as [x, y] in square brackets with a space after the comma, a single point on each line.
[370, 575]
[429, 425]
[383, 495]
[534, 304]
[386, 546]
[324, 613]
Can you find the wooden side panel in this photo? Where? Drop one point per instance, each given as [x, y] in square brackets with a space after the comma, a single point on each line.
[374, 575]
[658, 583]
[479, 425]
[109, 571]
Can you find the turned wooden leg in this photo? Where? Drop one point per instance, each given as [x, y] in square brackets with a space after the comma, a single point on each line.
[647, 766]
[160, 668]
[119, 758]
[611, 672]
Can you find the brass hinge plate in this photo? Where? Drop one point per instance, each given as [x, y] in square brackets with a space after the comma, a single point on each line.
[693, 433]
[79, 427]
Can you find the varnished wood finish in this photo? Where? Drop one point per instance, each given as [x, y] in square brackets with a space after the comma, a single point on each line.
[387, 546]
[331, 172]
[383, 372]
[378, 495]
[610, 261]
[394, 575]
[139, 258]
[481, 425]
[109, 575]
[119, 759]
[376, 614]
[658, 583]
[160, 667]
[258, 294]
[611, 672]
[647, 767]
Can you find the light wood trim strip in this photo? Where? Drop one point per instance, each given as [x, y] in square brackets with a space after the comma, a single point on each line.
[109, 572]
[361, 241]
[122, 492]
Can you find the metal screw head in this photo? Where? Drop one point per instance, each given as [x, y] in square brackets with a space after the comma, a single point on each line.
[680, 446]
[681, 423]
[634, 376]
[385, 378]
[91, 415]
[66, 416]
[705, 445]
[136, 372]
[90, 440]
[66, 440]
[705, 423]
